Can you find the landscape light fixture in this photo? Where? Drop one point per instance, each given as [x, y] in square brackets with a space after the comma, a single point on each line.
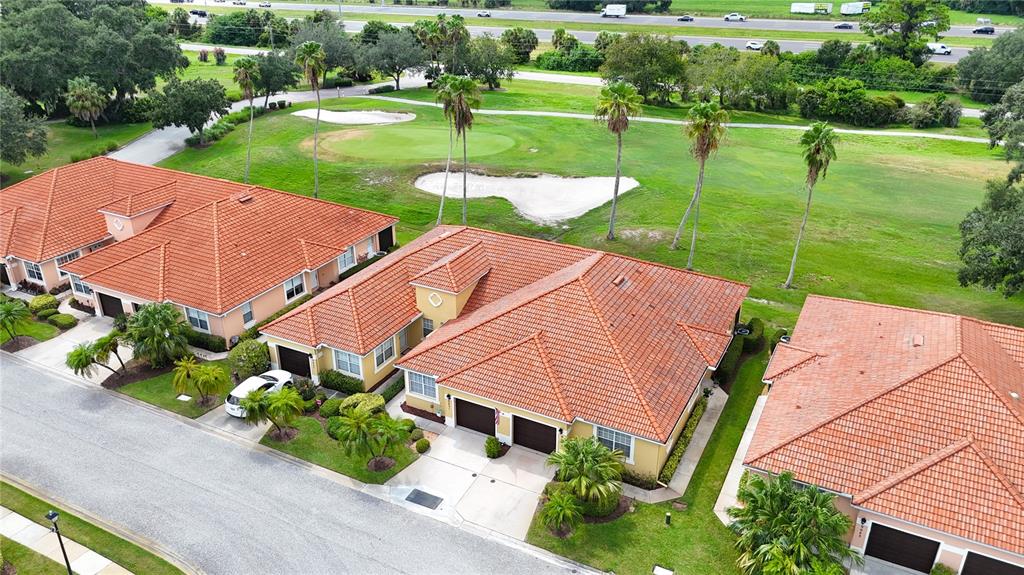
[53, 516]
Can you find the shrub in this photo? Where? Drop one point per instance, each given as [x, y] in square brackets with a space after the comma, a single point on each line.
[333, 425]
[371, 402]
[121, 322]
[942, 569]
[82, 307]
[63, 320]
[492, 447]
[776, 337]
[41, 302]
[727, 365]
[29, 287]
[254, 331]
[330, 408]
[305, 386]
[562, 512]
[381, 89]
[220, 56]
[600, 507]
[580, 58]
[204, 55]
[137, 110]
[672, 463]
[309, 406]
[752, 341]
[282, 104]
[59, 289]
[338, 381]
[251, 357]
[935, 112]
[338, 83]
[272, 105]
[416, 434]
[407, 424]
[43, 314]
[111, 146]
[207, 341]
[391, 391]
[641, 480]
[422, 445]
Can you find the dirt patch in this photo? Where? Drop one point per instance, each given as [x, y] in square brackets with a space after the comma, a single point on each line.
[622, 509]
[421, 413]
[18, 343]
[642, 234]
[328, 152]
[284, 435]
[134, 372]
[380, 464]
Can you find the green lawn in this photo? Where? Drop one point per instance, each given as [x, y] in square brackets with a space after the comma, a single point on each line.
[64, 141]
[39, 330]
[158, 391]
[26, 560]
[697, 542]
[883, 226]
[314, 445]
[124, 553]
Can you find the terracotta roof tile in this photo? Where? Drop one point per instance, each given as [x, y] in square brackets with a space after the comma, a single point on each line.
[456, 271]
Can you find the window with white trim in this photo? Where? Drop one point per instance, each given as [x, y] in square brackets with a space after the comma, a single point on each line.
[247, 315]
[616, 440]
[78, 286]
[347, 259]
[424, 385]
[293, 287]
[33, 271]
[384, 352]
[349, 363]
[68, 257]
[199, 319]
[428, 327]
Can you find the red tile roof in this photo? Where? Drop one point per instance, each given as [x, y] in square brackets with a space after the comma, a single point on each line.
[456, 271]
[223, 253]
[914, 414]
[554, 329]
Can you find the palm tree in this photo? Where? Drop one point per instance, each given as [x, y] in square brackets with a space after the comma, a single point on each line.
[283, 407]
[783, 528]
[208, 380]
[592, 471]
[819, 144]
[157, 333]
[371, 435]
[109, 344]
[247, 73]
[184, 373]
[562, 512]
[82, 360]
[86, 101]
[617, 103]
[705, 130]
[444, 97]
[465, 95]
[12, 313]
[310, 56]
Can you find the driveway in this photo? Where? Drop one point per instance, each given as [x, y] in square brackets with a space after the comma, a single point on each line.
[219, 419]
[220, 506]
[52, 352]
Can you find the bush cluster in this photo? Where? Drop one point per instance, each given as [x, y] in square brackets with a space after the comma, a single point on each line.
[41, 302]
[339, 82]
[59, 289]
[422, 445]
[251, 357]
[45, 313]
[225, 125]
[416, 434]
[254, 331]
[330, 408]
[332, 379]
[29, 287]
[846, 100]
[63, 320]
[838, 58]
[776, 337]
[207, 341]
[305, 387]
[333, 424]
[381, 89]
[752, 341]
[672, 463]
[639, 479]
[391, 391]
[935, 112]
[730, 362]
[492, 447]
[589, 508]
[371, 402]
[108, 147]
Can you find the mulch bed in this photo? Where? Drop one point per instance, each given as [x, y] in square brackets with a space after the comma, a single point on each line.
[18, 343]
[421, 413]
[137, 372]
[380, 464]
[284, 435]
[503, 450]
[624, 503]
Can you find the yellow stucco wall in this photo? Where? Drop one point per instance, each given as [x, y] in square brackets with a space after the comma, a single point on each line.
[450, 304]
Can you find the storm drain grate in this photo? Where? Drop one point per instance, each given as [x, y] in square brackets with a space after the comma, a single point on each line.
[423, 498]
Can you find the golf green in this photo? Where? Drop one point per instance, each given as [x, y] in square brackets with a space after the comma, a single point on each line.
[404, 142]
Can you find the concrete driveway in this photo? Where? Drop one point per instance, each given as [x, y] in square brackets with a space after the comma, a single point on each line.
[220, 419]
[497, 495]
[52, 352]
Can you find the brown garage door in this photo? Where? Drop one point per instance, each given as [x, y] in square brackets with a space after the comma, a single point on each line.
[981, 565]
[112, 306]
[536, 436]
[902, 548]
[295, 362]
[474, 416]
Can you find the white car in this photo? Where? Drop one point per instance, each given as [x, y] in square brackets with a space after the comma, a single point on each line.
[264, 4]
[735, 17]
[270, 382]
[483, 14]
[754, 45]
[937, 48]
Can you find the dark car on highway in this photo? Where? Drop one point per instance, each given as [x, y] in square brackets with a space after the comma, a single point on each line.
[843, 26]
[685, 18]
[984, 30]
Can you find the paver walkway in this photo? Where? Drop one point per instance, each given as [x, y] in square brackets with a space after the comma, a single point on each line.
[42, 540]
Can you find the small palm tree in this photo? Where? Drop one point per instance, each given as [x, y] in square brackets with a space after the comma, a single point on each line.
[282, 408]
[618, 102]
[562, 512]
[109, 344]
[255, 406]
[465, 95]
[443, 96]
[310, 56]
[705, 130]
[86, 101]
[592, 471]
[819, 145]
[82, 360]
[207, 380]
[247, 73]
[183, 374]
[12, 313]
[157, 333]
[356, 433]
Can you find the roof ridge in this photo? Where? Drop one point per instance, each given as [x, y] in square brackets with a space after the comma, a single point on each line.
[486, 358]
[1015, 492]
[123, 260]
[312, 323]
[355, 318]
[555, 381]
[163, 268]
[885, 305]
[812, 356]
[693, 340]
[305, 254]
[216, 256]
[911, 470]
[1013, 409]
[622, 360]
[49, 210]
[131, 196]
[819, 424]
[10, 232]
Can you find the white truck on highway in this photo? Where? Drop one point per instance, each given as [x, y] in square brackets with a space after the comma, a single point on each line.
[613, 11]
[854, 8]
[810, 8]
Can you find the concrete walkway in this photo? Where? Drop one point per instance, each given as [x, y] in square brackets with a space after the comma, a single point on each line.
[701, 435]
[42, 540]
[727, 497]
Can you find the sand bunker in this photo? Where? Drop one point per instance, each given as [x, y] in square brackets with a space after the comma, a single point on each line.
[543, 199]
[356, 118]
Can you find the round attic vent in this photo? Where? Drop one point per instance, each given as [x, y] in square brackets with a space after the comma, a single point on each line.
[435, 300]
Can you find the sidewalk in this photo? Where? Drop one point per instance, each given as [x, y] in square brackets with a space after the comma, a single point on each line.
[727, 497]
[43, 541]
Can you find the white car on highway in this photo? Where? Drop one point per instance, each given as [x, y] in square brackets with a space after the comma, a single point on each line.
[735, 17]
[754, 45]
[938, 48]
[270, 382]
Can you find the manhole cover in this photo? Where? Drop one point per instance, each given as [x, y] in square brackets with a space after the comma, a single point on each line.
[423, 498]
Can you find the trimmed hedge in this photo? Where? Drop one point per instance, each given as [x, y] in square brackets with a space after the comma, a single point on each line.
[381, 89]
[225, 125]
[43, 314]
[727, 366]
[641, 480]
[41, 302]
[776, 337]
[333, 424]
[332, 379]
[63, 320]
[422, 445]
[391, 391]
[207, 341]
[254, 331]
[357, 268]
[672, 463]
[330, 408]
[753, 341]
[371, 402]
[416, 434]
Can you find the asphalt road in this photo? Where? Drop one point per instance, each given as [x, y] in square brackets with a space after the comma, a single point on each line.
[223, 506]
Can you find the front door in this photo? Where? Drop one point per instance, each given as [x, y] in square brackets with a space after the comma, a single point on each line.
[474, 416]
[112, 306]
[536, 436]
[902, 548]
[294, 362]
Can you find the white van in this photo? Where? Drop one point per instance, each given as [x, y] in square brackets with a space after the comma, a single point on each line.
[938, 48]
[613, 11]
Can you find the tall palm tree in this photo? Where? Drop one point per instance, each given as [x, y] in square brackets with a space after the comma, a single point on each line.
[617, 103]
[158, 333]
[465, 95]
[12, 313]
[443, 96]
[705, 130]
[247, 73]
[819, 145]
[592, 471]
[109, 344]
[310, 56]
[86, 101]
[283, 407]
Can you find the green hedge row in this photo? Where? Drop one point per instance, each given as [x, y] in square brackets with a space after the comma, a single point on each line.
[672, 463]
[338, 381]
[730, 362]
[63, 320]
[391, 391]
[254, 331]
[207, 341]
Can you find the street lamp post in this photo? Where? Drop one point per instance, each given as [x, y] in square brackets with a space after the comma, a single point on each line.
[53, 516]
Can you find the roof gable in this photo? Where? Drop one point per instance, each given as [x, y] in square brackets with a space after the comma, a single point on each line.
[456, 271]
